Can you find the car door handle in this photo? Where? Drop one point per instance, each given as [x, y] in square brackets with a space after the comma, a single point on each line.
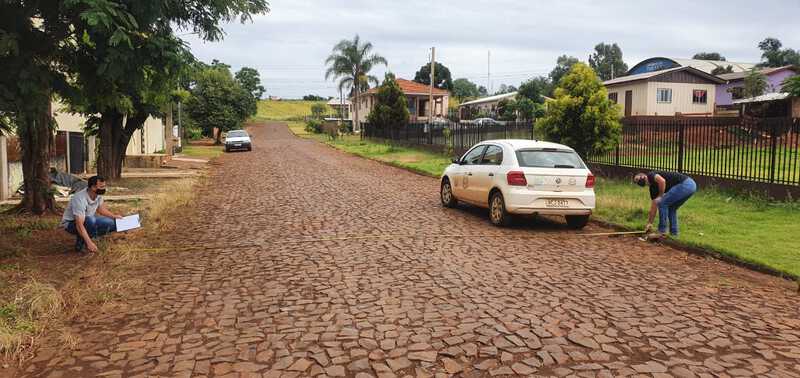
[469, 174]
[491, 174]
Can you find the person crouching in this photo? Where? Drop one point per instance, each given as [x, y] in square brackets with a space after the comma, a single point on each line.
[87, 216]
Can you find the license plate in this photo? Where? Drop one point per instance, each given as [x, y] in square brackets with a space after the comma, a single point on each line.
[557, 203]
[237, 145]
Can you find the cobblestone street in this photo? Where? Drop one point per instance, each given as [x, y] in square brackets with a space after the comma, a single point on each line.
[300, 260]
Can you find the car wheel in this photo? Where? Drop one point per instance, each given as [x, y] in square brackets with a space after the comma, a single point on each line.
[577, 221]
[446, 194]
[249, 148]
[497, 210]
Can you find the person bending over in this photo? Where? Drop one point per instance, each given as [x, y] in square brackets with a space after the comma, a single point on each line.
[668, 191]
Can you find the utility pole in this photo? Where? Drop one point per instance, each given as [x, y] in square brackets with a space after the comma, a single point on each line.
[489, 72]
[433, 75]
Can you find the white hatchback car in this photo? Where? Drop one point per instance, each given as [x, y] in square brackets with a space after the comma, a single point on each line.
[521, 177]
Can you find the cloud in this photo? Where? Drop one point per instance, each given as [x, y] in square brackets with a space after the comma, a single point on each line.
[289, 45]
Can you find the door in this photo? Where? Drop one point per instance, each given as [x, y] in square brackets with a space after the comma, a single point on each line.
[77, 153]
[463, 180]
[483, 175]
[628, 103]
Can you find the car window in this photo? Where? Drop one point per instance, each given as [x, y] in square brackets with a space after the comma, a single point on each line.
[549, 158]
[492, 156]
[237, 134]
[473, 157]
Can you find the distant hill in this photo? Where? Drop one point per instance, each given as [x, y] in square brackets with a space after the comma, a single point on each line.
[284, 110]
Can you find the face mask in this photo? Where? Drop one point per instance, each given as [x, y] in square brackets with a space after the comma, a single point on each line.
[100, 192]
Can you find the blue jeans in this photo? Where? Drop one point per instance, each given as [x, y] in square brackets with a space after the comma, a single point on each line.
[95, 226]
[670, 202]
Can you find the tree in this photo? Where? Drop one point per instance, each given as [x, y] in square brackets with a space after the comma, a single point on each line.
[792, 86]
[122, 84]
[217, 102]
[464, 89]
[534, 89]
[250, 80]
[313, 97]
[722, 70]
[318, 110]
[391, 110]
[482, 91]
[503, 88]
[443, 80]
[607, 61]
[755, 84]
[709, 56]
[33, 53]
[581, 115]
[563, 64]
[350, 62]
[774, 56]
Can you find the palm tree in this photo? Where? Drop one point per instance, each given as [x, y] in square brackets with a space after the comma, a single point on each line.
[350, 63]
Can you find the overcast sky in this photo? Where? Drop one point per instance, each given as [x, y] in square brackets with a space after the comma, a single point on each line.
[289, 45]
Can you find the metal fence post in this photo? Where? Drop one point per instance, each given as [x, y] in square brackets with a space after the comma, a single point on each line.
[773, 150]
[681, 143]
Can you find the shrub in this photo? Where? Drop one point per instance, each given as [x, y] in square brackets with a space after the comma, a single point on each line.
[581, 115]
[390, 109]
[314, 125]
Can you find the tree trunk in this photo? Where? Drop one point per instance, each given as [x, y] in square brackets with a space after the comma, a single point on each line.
[356, 122]
[115, 134]
[35, 137]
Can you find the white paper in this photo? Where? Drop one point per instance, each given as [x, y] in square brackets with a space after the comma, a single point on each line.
[128, 223]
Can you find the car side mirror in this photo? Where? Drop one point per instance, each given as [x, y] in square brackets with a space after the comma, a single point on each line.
[456, 161]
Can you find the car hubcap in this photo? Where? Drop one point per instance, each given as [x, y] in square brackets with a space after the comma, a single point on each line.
[497, 209]
[446, 193]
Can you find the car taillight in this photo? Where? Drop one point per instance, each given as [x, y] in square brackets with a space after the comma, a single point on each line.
[516, 178]
[590, 181]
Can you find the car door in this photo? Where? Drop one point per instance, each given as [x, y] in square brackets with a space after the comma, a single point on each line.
[469, 161]
[483, 175]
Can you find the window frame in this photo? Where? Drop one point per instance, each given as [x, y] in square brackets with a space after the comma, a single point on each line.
[463, 159]
[658, 95]
[705, 96]
[483, 157]
[614, 96]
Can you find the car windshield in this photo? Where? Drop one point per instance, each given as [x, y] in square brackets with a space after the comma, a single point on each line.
[237, 134]
[549, 158]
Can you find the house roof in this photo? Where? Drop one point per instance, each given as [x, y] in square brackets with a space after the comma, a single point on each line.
[653, 74]
[735, 76]
[338, 102]
[494, 98]
[412, 87]
[763, 98]
[707, 66]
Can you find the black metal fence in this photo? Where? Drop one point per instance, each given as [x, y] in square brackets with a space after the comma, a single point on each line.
[446, 135]
[739, 148]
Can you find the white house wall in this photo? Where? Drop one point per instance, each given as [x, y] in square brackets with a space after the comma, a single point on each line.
[639, 100]
[682, 94]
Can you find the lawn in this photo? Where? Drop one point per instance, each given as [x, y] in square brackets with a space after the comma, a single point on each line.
[424, 162]
[202, 152]
[751, 229]
[284, 110]
[748, 228]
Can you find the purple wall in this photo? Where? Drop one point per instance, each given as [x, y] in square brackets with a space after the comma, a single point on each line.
[774, 82]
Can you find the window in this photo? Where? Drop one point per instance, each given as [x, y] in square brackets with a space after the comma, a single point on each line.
[613, 97]
[493, 156]
[473, 157]
[737, 93]
[699, 96]
[549, 158]
[664, 95]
